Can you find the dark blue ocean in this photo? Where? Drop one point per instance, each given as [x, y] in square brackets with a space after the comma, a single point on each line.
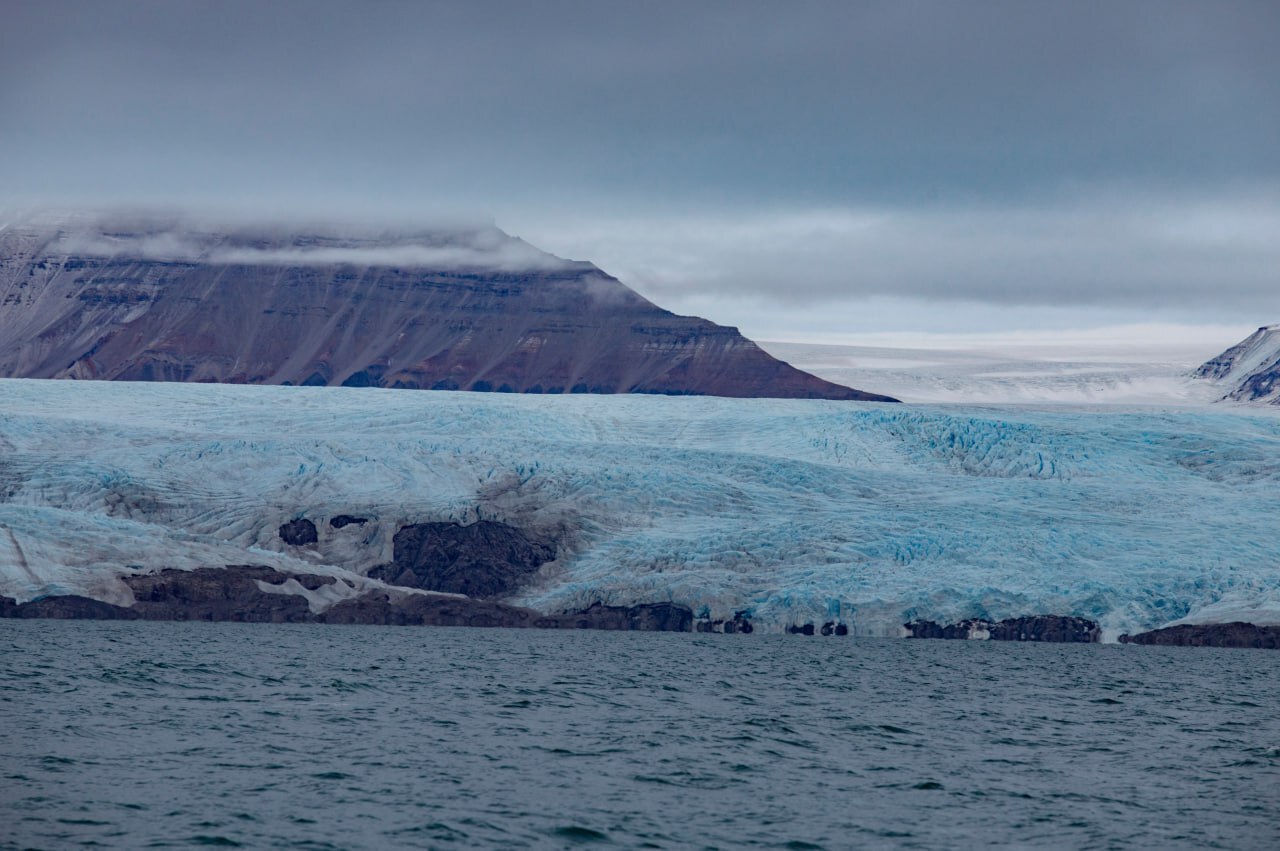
[136, 735]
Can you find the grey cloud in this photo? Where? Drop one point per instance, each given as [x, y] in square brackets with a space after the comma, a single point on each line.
[513, 257]
[1211, 254]
[1090, 153]
[192, 237]
[404, 103]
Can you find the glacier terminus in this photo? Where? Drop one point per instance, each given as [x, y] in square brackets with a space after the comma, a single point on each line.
[782, 511]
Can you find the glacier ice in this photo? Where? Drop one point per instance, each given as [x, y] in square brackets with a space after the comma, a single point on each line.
[1013, 371]
[795, 511]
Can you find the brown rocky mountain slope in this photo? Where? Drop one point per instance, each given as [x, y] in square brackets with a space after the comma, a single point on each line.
[471, 309]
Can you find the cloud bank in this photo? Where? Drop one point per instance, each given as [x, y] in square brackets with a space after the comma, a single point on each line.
[486, 250]
[958, 160]
[1102, 251]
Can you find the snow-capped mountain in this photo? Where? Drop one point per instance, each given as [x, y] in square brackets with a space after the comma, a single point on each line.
[790, 511]
[170, 299]
[1249, 371]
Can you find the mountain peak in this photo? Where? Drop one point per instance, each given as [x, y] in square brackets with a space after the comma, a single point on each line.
[1249, 370]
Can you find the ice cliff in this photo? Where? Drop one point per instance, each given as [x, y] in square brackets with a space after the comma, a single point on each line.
[794, 511]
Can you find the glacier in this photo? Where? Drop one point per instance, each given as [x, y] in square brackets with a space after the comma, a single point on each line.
[1134, 366]
[793, 511]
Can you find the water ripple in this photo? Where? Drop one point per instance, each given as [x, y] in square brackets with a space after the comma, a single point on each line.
[174, 735]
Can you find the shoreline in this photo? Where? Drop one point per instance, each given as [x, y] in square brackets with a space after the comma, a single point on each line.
[258, 594]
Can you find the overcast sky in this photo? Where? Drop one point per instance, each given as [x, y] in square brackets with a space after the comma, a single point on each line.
[800, 169]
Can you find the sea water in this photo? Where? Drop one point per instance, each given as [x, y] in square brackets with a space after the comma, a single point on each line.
[177, 734]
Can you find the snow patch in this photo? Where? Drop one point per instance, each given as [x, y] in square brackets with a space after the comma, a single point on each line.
[318, 600]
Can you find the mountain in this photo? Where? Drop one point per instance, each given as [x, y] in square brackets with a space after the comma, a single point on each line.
[1249, 370]
[149, 298]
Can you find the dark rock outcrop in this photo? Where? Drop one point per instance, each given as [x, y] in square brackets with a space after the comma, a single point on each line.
[932, 629]
[1054, 628]
[484, 560]
[828, 629]
[221, 594]
[739, 623]
[233, 594]
[417, 610]
[343, 520]
[648, 617]
[154, 299]
[69, 607]
[206, 594]
[299, 533]
[1235, 634]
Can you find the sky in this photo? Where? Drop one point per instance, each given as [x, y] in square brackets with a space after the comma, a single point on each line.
[805, 171]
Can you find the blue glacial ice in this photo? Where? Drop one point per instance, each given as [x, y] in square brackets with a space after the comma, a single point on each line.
[793, 511]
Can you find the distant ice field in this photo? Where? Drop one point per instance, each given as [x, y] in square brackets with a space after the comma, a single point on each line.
[1015, 369]
[793, 511]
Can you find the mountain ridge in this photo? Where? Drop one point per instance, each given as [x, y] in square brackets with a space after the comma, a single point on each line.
[141, 298]
[1250, 368]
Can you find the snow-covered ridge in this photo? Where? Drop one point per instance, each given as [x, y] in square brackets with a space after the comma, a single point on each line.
[796, 511]
[1250, 370]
